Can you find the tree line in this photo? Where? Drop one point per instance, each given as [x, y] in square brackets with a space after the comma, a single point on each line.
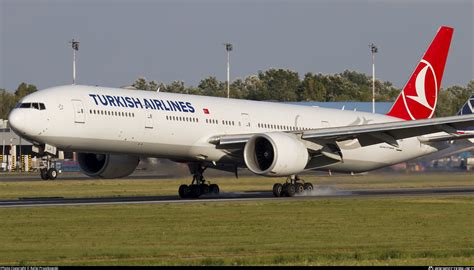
[282, 85]
[286, 85]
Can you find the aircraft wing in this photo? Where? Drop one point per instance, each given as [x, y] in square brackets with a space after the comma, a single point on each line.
[373, 133]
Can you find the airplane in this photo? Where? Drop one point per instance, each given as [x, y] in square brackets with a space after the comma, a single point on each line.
[111, 128]
[457, 146]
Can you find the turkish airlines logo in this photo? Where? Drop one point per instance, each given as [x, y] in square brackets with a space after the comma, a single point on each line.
[420, 101]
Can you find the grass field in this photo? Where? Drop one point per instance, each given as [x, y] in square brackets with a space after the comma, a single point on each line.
[127, 187]
[421, 230]
[345, 231]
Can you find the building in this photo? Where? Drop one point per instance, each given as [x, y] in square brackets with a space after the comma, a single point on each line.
[15, 150]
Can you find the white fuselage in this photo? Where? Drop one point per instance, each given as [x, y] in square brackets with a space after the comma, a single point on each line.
[178, 127]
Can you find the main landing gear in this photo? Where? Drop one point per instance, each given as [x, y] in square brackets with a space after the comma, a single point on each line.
[198, 186]
[293, 186]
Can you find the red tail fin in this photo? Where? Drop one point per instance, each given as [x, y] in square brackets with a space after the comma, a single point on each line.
[419, 96]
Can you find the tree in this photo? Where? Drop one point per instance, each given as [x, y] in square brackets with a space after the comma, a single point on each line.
[253, 86]
[142, 84]
[24, 89]
[175, 87]
[452, 98]
[153, 86]
[212, 87]
[7, 103]
[279, 84]
[238, 89]
[312, 88]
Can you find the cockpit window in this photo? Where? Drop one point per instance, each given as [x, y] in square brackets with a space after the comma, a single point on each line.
[33, 105]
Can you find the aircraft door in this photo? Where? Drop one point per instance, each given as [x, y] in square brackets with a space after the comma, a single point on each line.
[149, 120]
[79, 113]
[246, 121]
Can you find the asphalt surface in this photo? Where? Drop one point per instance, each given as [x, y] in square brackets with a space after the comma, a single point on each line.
[322, 192]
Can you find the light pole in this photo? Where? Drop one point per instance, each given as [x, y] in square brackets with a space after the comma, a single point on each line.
[374, 50]
[75, 47]
[228, 48]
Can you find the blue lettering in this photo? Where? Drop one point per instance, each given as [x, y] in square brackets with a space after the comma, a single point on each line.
[137, 101]
[170, 107]
[111, 101]
[152, 104]
[175, 106]
[130, 102]
[147, 104]
[183, 106]
[95, 100]
[190, 107]
[124, 102]
[119, 103]
[103, 102]
[158, 104]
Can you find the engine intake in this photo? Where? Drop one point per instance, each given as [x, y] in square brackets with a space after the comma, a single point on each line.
[275, 154]
[107, 165]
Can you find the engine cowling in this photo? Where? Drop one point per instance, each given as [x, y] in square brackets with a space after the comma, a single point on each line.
[107, 165]
[275, 154]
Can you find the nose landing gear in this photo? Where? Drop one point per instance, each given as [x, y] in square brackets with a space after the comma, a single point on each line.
[293, 186]
[48, 174]
[47, 170]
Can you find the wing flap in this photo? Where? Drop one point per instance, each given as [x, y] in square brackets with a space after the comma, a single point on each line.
[392, 131]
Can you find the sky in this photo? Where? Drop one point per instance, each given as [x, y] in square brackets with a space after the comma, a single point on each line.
[183, 39]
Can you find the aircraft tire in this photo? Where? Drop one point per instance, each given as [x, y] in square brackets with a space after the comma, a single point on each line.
[44, 174]
[214, 189]
[308, 187]
[183, 191]
[195, 191]
[52, 173]
[290, 190]
[299, 188]
[204, 189]
[278, 190]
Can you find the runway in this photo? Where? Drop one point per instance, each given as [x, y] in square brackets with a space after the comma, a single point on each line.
[321, 193]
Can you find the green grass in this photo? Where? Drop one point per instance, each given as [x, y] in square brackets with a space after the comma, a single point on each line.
[126, 187]
[345, 231]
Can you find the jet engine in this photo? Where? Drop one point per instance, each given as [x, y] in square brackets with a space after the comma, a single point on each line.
[107, 165]
[275, 154]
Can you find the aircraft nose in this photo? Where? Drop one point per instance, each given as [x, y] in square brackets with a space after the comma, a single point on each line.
[16, 119]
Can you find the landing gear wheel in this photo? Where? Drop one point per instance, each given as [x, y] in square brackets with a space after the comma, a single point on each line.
[184, 191]
[199, 186]
[44, 174]
[195, 191]
[290, 190]
[204, 189]
[308, 187]
[52, 173]
[214, 189]
[278, 190]
[299, 188]
[293, 185]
